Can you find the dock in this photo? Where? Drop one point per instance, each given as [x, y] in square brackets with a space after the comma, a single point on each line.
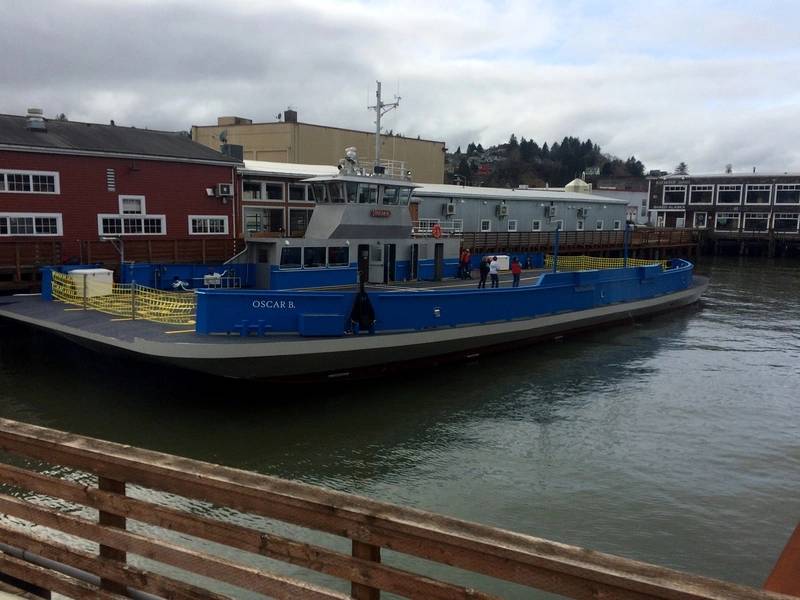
[244, 531]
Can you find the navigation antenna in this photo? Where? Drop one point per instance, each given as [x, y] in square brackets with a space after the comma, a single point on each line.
[381, 108]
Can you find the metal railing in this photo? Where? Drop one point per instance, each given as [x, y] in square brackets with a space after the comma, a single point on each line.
[234, 532]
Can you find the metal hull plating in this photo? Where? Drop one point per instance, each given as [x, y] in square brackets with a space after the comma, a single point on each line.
[294, 357]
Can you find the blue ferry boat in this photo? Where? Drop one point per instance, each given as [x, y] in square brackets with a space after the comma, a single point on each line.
[357, 296]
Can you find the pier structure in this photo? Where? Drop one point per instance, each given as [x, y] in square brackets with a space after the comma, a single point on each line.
[242, 531]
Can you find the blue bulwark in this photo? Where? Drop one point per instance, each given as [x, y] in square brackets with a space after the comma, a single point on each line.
[312, 313]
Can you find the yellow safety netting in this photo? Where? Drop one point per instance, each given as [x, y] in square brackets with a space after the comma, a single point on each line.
[125, 299]
[586, 263]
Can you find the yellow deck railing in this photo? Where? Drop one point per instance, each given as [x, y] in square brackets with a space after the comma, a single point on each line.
[585, 263]
[125, 299]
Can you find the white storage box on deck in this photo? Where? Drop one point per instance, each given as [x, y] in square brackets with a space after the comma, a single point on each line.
[99, 282]
[503, 262]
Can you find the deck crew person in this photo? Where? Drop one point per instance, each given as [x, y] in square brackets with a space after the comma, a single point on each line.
[516, 271]
[483, 269]
[494, 272]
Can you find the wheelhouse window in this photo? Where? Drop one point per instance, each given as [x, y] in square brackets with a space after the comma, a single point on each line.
[352, 192]
[298, 221]
[729, 194]
[727, 222]
[758, 194]
[536, 225]
[756, 222]
[30, 224]
[336, 192]
[781, 222]
[367, 193]
[208, 224]
[29, 182]
[700, 220]
[486, 225]
[391, 196]
[298, 192]
[320, 193]
[701, 194]
[339, 256]
[674, 194]
[291, 258]
[512, 225]
[787, 193]
[313, 257]
[405, 196]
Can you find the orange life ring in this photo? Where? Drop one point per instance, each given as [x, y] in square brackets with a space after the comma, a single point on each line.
[436, 231]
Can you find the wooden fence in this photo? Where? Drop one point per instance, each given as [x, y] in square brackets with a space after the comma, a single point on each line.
[576, 241]
[122, 485]
[22, 260]
[160, 251]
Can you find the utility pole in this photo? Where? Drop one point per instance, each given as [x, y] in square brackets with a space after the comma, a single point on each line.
[381, 108]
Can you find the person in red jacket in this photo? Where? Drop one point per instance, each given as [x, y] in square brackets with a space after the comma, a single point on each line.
[516, 271]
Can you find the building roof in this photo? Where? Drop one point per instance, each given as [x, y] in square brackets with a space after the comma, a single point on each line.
[262, 167]
[739, 174]
[445, 190]
[71, 137]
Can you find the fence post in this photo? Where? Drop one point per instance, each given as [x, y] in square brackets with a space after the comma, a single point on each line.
[133, 299]
[555, 249]
[625, 236]
[112, 520]
[359, 591]
[85, 302]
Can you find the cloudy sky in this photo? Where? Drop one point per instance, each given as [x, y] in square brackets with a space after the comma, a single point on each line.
[706, 82]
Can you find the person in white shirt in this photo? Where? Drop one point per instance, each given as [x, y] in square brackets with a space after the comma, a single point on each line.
[494, 272]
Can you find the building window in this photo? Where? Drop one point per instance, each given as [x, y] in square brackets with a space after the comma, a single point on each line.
[758, 194]
[729, 194]
[512, 225]
[579, 225]
[674, 194]
[298, 192]
[727, 222]
[787, 193]
[458, 225]
[257, 220]
[298, 221]
[131, 205]
[273, 191]
[131, 224]
[208, 225]
[756, 221]
[701, 194]
[30, 224]
[251, 190]
[617, 225]
[111, 180]
[781, 222]
[700, 220]
[536, 225]
[559, 224]
[598, 225]
[486, 225]
[29, 182]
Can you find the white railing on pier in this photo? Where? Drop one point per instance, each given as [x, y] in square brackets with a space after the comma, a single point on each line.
[425, 228]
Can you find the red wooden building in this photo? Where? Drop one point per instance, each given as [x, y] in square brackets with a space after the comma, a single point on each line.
[72, 189]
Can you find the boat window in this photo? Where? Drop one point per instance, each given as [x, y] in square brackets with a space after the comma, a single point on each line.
[336, 192]
[290, 258]
[338, 256]
[405, 196]
[318, 190]
[367, 193]
[352, 191]
[313, 257]
[390, 196]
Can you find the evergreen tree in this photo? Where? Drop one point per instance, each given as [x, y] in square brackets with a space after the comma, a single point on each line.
[682, 169]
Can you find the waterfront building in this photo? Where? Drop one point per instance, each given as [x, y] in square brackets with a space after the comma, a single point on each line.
[291, 141]
[69, 183]
[729, 203]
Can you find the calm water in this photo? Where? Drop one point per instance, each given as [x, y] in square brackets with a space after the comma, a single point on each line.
[675, 441]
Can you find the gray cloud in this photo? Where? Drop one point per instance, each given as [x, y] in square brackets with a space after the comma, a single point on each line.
[718, 87]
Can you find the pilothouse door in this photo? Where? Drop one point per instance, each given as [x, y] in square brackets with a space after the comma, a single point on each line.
[389, 262]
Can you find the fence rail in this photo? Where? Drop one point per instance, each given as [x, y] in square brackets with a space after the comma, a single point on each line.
[576, 241]
[369, 526]
[23, 259]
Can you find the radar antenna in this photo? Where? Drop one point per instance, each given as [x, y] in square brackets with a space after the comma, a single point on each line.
[381, 108]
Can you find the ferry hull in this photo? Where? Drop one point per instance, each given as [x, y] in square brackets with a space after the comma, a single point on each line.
[297, 358]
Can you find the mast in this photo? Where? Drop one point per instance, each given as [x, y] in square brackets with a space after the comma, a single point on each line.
[381, 108]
